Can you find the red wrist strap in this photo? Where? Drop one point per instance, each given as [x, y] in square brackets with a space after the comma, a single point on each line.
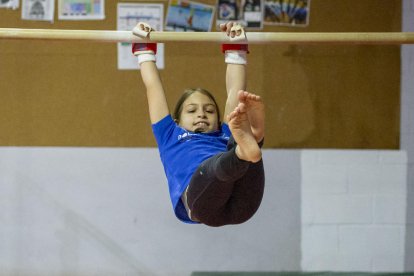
[137, 47]
[234, 47]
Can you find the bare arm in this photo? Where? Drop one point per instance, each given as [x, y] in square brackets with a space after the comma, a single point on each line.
[157, 103]
[235, 81]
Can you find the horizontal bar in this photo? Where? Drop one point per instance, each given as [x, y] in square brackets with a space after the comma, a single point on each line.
[217, 37]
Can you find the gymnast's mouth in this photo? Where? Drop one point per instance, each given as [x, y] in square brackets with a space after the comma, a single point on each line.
[202, 124]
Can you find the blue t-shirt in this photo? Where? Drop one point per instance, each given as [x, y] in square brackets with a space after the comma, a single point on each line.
[181, 153]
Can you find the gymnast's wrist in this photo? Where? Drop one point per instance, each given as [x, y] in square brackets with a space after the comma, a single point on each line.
[235, 53]
[144, 51]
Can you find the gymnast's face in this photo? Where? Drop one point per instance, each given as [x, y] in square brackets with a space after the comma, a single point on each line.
[199, 114]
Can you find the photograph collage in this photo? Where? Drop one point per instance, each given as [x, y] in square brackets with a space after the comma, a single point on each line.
[182, 15]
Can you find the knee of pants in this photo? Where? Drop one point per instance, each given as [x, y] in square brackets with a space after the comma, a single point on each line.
[218, 221]
[224, 217]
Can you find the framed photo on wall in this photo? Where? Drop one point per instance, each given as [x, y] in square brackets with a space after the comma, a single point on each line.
[248, 13]
[189, 16]
[287, 12]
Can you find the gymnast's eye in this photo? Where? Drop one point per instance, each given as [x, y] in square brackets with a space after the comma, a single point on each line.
[211, 109]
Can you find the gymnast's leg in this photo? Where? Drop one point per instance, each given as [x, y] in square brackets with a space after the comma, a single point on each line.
[225, 190]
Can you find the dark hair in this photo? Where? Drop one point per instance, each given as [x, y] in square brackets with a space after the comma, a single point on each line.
[187, 93]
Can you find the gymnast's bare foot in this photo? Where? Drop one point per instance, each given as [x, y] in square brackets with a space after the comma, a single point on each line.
[255, 113]
[247, 148]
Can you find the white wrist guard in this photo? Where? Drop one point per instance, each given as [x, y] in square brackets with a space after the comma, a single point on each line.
[235, 57]
[146, 57]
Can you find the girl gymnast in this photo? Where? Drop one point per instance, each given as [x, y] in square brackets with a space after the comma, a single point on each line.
[214, 170]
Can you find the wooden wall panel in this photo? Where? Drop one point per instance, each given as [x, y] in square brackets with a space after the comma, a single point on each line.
[71, 93]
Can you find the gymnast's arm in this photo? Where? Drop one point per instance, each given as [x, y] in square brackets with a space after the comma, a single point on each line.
[235, 81]
[157, 102]
[235, 77]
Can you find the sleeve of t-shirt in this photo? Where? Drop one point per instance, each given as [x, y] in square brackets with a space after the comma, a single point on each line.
[163, 130]
[225, 129]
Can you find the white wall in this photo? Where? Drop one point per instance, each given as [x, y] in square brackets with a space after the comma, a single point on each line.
[107, 212]
[353, 210]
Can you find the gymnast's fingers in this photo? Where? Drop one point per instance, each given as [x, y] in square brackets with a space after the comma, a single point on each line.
[237, 33]
[142, 29]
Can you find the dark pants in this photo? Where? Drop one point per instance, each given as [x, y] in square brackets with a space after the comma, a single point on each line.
[225, 189]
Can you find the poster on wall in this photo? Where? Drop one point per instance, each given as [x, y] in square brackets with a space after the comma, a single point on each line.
[287, 12]
[189, 16]
[248, 13]
[81, 9]
[128, 15]
[9, 4]
[42, 10]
